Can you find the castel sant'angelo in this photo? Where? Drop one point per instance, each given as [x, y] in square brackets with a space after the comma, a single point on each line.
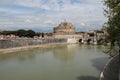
[67, 30]
[64, 28]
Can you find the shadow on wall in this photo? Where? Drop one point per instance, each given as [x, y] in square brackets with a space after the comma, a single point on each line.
[87, 78]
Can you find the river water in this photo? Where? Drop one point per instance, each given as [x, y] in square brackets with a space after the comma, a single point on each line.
[68, 62]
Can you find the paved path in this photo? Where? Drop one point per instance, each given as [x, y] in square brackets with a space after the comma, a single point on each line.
[111, 70]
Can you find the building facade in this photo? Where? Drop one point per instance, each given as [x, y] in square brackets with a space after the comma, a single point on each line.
[67, 30]
[64, 28]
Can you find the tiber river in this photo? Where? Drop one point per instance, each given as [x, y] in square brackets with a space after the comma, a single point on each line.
[68, 62]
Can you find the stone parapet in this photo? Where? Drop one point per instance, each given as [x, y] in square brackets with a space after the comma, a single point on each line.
[11, 43]
[111, 70]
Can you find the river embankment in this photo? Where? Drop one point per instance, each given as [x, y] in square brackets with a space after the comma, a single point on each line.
[12, 45]
[111, 70]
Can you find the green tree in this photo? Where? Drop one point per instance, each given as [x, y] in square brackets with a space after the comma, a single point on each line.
[21, 33]
[38, 34]
[8, 32]
[112, 12]
[43, 35]
[30, 33]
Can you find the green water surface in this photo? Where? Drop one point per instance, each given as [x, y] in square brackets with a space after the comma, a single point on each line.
[70, 62]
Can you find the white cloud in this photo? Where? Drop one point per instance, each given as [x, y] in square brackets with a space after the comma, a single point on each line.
[87, 13]
[82, 24]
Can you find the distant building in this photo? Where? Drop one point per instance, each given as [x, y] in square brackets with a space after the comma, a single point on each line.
[1, 30]
[64, 28]
[67, 30]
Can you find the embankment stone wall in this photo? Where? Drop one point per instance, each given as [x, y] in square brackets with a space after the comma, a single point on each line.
[11, 43]
[111, 70]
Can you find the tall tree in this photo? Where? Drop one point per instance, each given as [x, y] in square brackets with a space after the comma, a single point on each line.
[30, 33]
[21, 33]
[112, 12]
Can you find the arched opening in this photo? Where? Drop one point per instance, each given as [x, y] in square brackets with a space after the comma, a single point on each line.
[80, 40]
[88, 41]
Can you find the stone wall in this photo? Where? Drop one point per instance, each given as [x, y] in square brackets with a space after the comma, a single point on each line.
[11, 43]
[111, 70]
[64, 28]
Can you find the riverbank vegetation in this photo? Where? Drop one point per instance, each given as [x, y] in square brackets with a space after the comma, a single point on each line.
[20, 33]
[112, 12]
[25, 33]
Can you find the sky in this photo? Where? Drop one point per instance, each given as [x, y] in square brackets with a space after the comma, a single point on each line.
[43, 15]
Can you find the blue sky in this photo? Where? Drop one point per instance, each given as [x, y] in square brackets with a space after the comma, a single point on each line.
[43, 15]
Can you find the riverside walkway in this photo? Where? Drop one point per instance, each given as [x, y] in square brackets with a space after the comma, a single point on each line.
[112, 69]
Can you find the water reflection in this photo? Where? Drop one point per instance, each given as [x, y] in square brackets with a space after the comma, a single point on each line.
[87, 78]
[65, 53]
[22, 55]
[68, 62]
[99, 63]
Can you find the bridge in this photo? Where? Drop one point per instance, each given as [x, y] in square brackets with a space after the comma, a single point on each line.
[88, 40]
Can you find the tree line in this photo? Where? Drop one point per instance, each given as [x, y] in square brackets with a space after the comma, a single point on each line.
[23, 33]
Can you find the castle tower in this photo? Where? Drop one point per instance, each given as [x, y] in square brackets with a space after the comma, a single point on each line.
[64, 28]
